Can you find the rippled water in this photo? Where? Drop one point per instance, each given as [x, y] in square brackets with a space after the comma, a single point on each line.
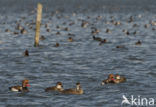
[82, 60]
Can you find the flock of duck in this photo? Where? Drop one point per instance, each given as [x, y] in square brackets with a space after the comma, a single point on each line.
[19, 29]
[114, 79]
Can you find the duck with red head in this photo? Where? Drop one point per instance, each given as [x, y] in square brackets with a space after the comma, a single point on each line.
[110, 79]
[78, 90]
[23, 88]
[58, 87]
[119, 79]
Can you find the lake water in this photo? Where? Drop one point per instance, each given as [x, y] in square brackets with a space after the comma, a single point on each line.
[82, 60]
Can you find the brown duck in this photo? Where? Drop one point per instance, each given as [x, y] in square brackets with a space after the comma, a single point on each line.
[77, 90]
[58, 87]
[110, 79]
[119, 79]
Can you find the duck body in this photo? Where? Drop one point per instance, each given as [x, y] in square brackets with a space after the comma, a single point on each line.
[58, 87]
[78, 90]
[23, 88]
[72, 91]
[15, 88]
[119, 79]
[53, 89]
[110, 79]
[18, 89]
[107, 81]
[97, 38]
[115, 79]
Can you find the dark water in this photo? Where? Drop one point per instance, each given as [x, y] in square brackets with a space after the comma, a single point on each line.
[83, 59]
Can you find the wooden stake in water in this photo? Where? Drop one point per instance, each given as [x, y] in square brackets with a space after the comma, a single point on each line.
[38, 23]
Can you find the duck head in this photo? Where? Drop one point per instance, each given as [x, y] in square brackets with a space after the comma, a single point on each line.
[25, 83]
[117, 76]
[78, 87]
[59, 85]
[111, 77]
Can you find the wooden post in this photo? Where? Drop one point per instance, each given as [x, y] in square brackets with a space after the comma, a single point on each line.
[38, 23]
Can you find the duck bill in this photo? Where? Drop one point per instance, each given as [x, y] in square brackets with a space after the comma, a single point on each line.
[28, 85]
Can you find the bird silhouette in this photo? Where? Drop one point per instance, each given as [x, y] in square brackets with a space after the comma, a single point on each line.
[125, 100]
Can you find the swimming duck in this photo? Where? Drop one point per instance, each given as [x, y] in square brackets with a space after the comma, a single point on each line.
[131, 19]
[84, 24]
[98, 17]
[97, 38]
[58, 87]
[119, 79]
[70, 39]
[7, 30]
[46, 25]
[23, 88]
[108, 31]
[77, 90]
[23, 31]
[26, 53]
[19, 27]
[103, 41]
[120, 46]
[15, 33]
[95, 31]
[57, 45]
[42, 37]
[58, 33]
[138, 42]
[110, 79]
[66, 29]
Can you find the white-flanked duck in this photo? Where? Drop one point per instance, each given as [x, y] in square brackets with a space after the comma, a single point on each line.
[23, 88]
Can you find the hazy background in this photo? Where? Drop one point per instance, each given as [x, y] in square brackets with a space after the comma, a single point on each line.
[79, 5]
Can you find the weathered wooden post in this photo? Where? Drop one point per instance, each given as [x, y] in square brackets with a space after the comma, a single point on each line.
[38, 23]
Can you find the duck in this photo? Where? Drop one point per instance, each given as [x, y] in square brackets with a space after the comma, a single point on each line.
[103, 41]
[23, 31]
[138, 42]
[95, 31]
[97, 38]
[108, 31]
[66, 29]
[78, 90]
[58, 87]
[23, 88]
[26, 53]
[70, 39]
[84, 24]
[19, 27]
[110, 79]
[48, 30]
[7, 30]
[57, 45]
[119, 79]
[42, 37]
[120, 46]
[15, 33]
[58, 33]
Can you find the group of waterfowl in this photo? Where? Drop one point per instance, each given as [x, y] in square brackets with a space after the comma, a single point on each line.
[115, 79]
[59, 88]
[84, 23]
[94, 32]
